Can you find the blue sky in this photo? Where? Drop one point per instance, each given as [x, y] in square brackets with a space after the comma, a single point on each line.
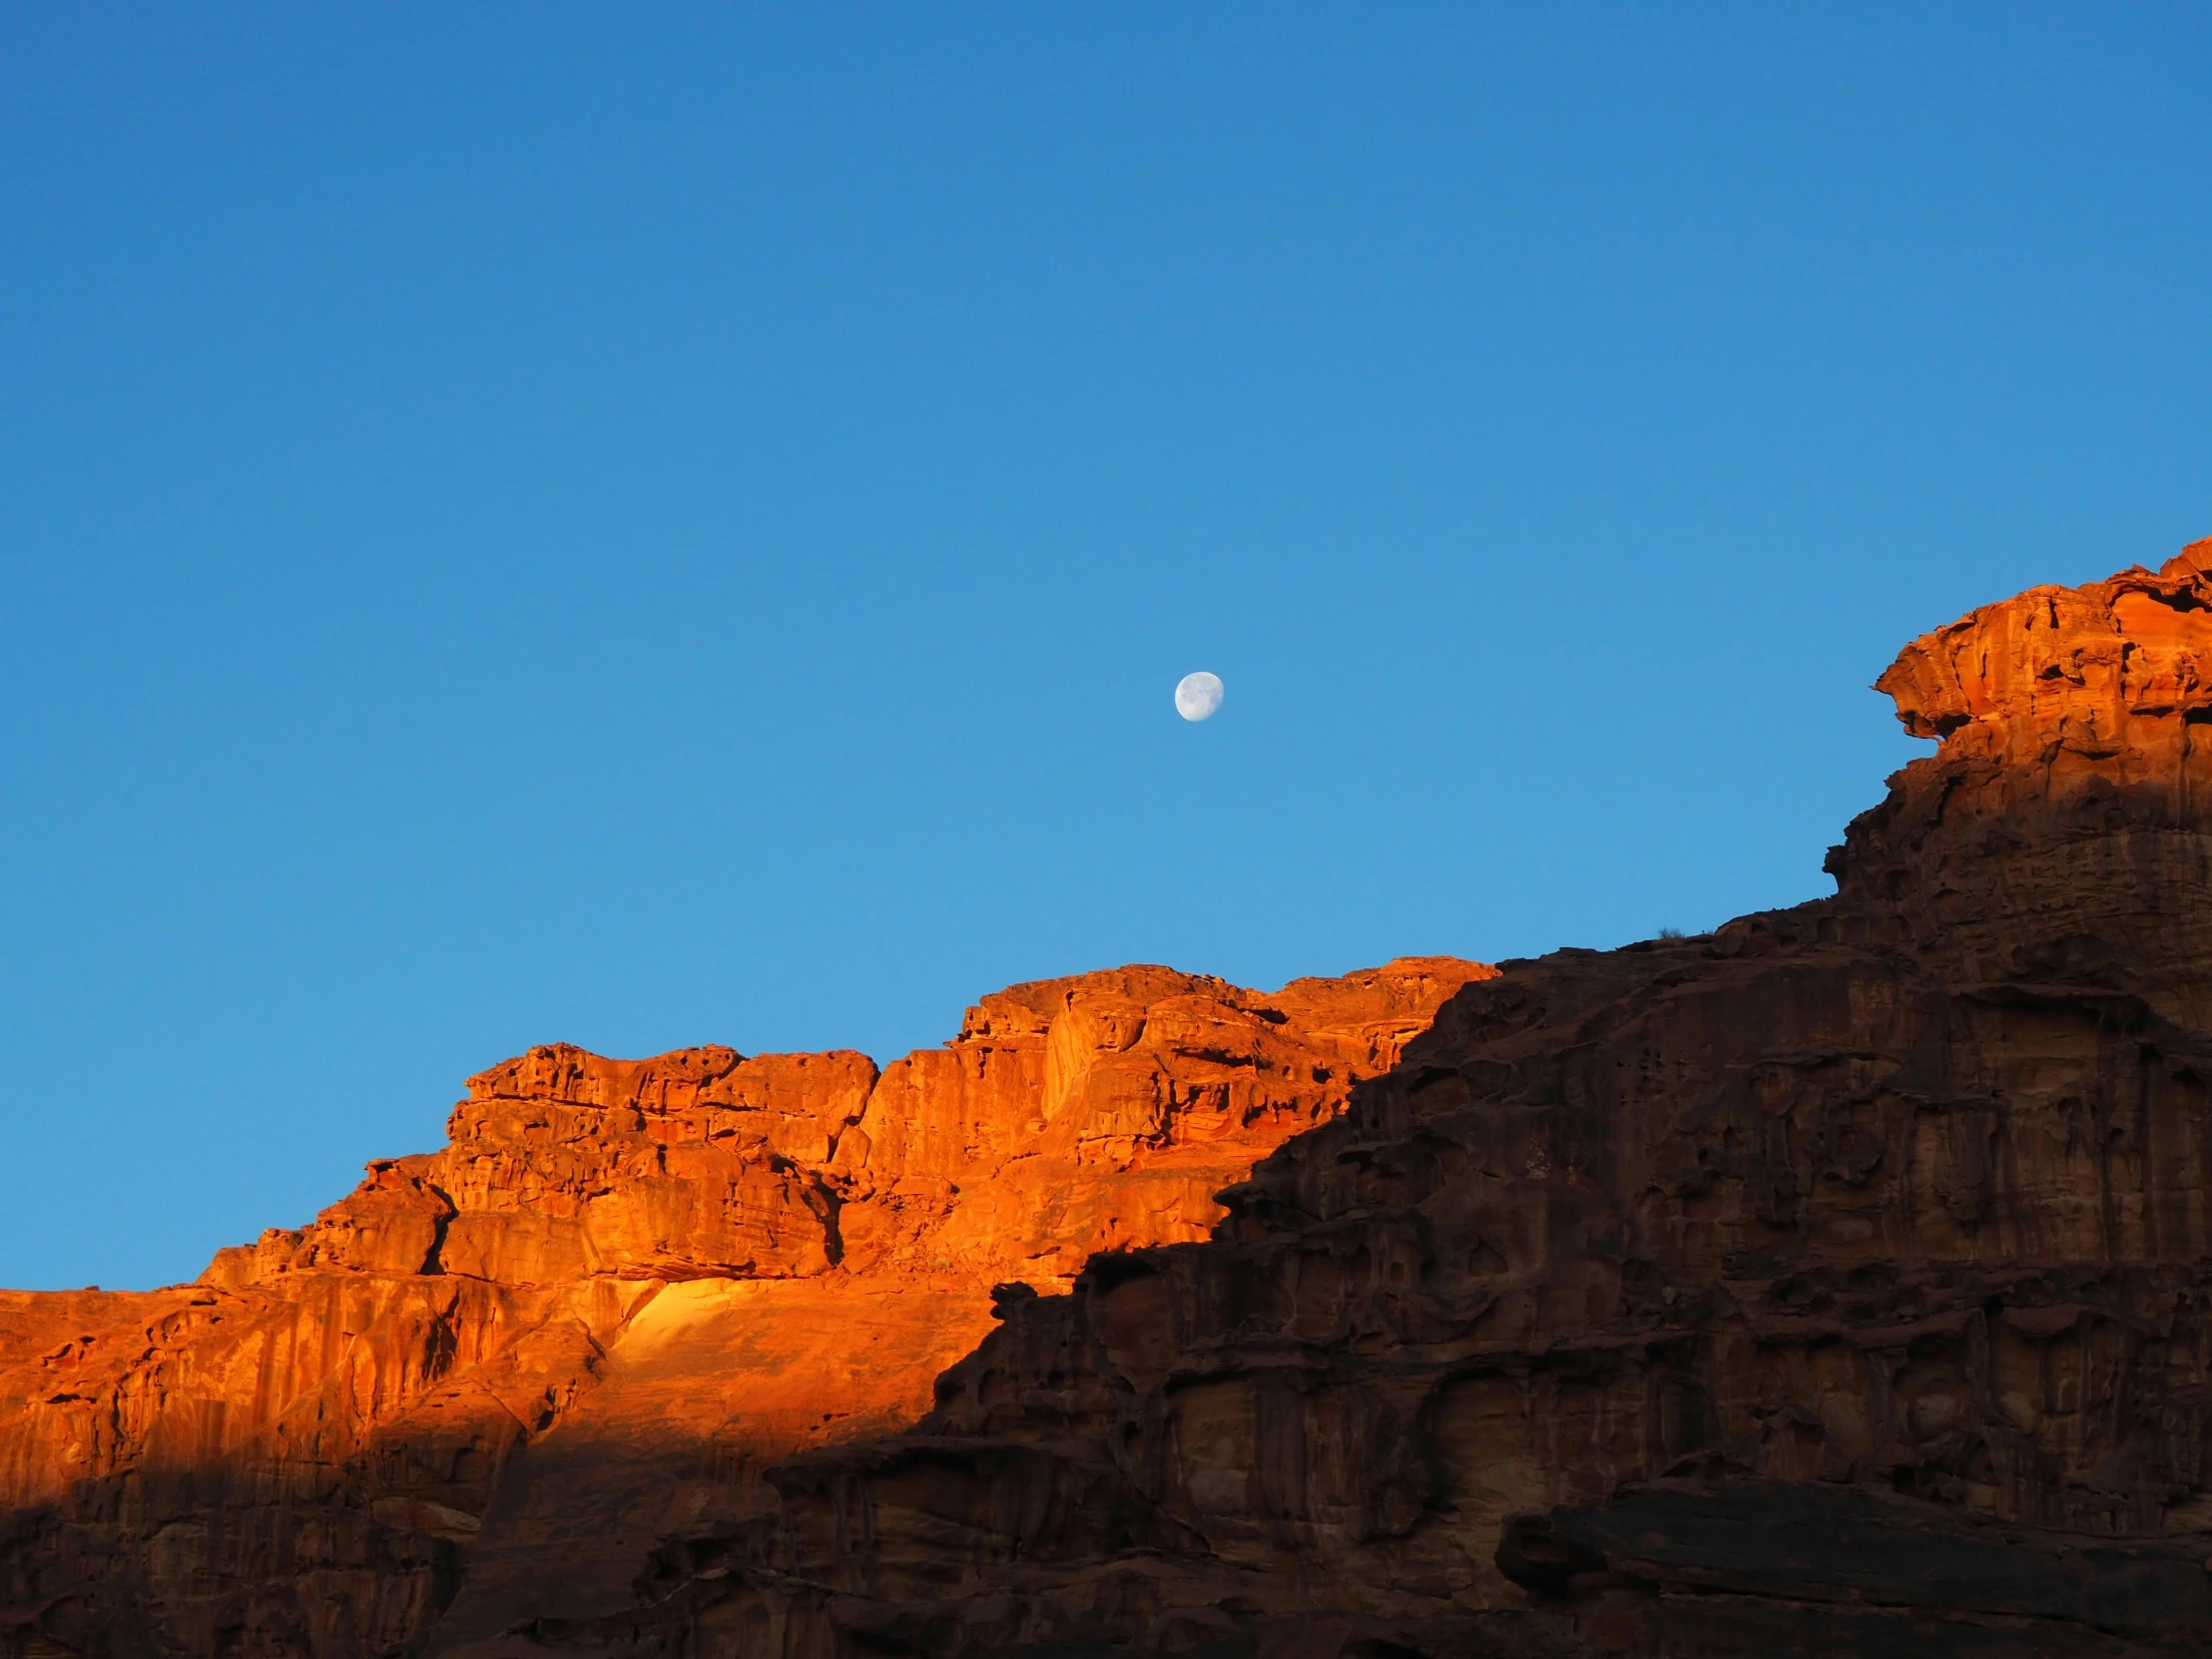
[660, 525]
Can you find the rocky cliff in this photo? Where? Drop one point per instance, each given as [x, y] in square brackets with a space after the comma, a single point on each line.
[1834, 1282]
[497, 1382]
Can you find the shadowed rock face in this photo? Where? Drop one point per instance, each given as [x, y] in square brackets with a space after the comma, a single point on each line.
[499, 1382]
[1836, 1283]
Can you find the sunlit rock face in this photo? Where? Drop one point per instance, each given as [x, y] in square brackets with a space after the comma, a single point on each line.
[505, 1384]
[2062, 832]
[1834, 1282]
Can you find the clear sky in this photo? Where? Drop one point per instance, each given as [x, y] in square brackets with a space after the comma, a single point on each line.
[661, 525]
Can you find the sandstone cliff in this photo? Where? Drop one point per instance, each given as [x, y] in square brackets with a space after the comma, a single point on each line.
[493, 1383]
[1834, 1282]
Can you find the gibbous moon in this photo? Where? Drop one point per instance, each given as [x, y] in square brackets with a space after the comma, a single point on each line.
[1198, 694]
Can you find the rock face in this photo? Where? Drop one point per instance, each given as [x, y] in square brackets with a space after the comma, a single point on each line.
[498, 1383]
[1834, 1282]
[2058, 833]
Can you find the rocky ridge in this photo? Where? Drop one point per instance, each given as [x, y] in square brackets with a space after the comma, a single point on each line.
[486, 1387]
[1834, 1282]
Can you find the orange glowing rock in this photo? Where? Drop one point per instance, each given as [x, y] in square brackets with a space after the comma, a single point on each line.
[1836, 1281]
[495, 1379]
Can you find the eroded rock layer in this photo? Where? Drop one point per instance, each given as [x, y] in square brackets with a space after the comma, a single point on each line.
[493, 1385]
[1834, 1282]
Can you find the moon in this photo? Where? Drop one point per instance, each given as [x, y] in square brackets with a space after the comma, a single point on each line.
[1198, 694]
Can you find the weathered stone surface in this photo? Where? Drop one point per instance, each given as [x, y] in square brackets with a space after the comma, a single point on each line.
[2058, 833]
[1834, 1282]
[495, 1381]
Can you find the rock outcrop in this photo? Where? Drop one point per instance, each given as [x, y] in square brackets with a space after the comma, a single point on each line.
[495, 1382]
[1839, 1282]
[1834, 1282]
